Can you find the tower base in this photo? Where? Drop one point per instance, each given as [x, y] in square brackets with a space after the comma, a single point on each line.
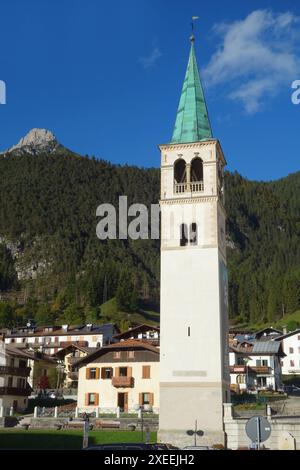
[180, 438]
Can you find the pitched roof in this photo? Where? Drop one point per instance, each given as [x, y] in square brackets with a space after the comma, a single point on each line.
[131, 344]
[192, 121]
[266, 347]
[286, 335]
[136, 329]
[62, 352]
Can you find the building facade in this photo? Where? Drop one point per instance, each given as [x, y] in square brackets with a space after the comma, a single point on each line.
[14, 373]
[290, 363]
[124, 375]
[194, 375]
[50, 339]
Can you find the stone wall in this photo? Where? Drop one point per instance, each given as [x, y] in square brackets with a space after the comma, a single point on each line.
[285, 431]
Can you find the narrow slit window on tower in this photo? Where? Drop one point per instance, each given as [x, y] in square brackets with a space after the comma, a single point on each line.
[183, 234]
[189, 331]
[193, 234]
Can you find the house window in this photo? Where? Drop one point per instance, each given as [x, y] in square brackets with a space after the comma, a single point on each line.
[12, 362]
[183, 234]
[261, 382]
[240, 379]
[146, 372]
[92, 398]
[146, 398]
[130, 354]
[281, 363]
[21, 383]
[122, 371]
[10, 382]
[291, 350]
[193, 234]
[117, 355]
[106, 373]
[22, 364]
[292, 363]
[92, 373]
[298, 337]
[261, 362]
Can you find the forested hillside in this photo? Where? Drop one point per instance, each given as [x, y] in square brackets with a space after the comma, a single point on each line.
[53, 267]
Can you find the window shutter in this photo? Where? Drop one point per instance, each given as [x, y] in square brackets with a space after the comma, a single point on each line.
[117, 372]
[111, 372]
[86, 400]
[129, 371]
[87, 373]
[140, 399]
[151, 398]
[102, 372]
[97, 373]
[146, 372]
[96, 399]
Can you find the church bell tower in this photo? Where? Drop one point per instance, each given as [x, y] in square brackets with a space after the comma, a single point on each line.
[194, 377]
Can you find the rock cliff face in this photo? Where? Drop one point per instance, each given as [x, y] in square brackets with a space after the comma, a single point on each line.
[35, 142]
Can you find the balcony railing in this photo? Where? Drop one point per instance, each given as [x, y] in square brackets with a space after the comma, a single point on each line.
[122, 381]
[19, 371]
[261, 369]
[71, 360]
[194, 187]
[18, 391]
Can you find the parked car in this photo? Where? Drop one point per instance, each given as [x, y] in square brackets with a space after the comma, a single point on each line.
[131, 446]
[128, 446]
[291, 389]
[198, 448]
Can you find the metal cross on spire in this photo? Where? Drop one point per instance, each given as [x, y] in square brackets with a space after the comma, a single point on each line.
[194, 18]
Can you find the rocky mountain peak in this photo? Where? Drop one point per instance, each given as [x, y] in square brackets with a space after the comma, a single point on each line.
[35, 142]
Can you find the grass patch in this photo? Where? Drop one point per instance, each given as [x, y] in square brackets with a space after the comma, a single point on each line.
[43, 439]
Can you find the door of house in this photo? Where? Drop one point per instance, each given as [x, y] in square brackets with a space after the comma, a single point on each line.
[123, 402]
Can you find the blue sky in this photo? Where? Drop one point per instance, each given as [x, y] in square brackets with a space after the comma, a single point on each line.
[106, 77]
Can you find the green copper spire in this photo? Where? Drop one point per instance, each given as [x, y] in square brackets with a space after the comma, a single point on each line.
[192, 122]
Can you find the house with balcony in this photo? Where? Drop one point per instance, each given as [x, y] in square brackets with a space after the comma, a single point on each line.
[50, 339]
[140, 332]
[255, 365]
[14, 374]
[122, 375]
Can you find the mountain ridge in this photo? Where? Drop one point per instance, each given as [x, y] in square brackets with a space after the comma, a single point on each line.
[52, 265]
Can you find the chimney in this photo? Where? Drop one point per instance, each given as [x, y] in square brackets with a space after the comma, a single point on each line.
[65, 327]
[284, 330]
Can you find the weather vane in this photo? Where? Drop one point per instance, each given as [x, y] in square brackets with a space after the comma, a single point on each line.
[194, 18]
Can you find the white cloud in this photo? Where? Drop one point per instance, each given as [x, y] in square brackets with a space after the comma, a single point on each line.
[151, 59]
[257, 57]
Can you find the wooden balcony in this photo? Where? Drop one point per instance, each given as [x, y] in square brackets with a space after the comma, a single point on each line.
[261, 370]
[71, 360]
[19, 371]
[122, 382]
[17, 391]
